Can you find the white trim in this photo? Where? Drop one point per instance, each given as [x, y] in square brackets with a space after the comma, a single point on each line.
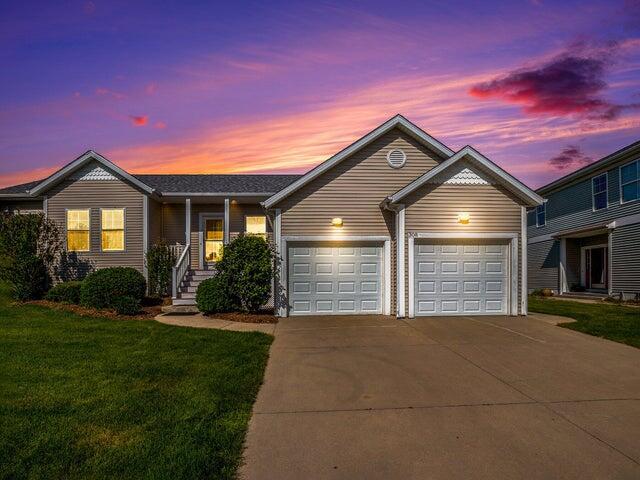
[66, 229]
[524, 289]
[281, 289]
[412, 275]
[454, 235]
[562, 269]
[628, 220]
[544, 206]
[404, 158]
[400, 236]
[81, 160]
[202, 217]
[517, 187]
[513, 276]
[583, 263]
[145, 235]
[187, 221]
[384, 239]
[622, 202]
[606, 192]
[45, 206]
[227, 221]
[512, 308]
[124, 230]
[609, 262]
[541, 238]
[397, 121]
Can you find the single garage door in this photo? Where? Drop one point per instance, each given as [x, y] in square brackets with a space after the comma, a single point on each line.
[461, 278]
[335, 279]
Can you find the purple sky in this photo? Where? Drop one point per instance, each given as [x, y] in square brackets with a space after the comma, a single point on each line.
[540, 87]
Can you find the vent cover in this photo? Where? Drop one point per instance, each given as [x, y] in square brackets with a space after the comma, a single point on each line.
[396, 158]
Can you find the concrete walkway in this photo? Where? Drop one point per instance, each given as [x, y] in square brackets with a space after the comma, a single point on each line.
[444, 398]
[200, 321]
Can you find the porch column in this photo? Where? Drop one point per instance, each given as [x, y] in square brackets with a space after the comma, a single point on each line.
[187, 221]
[562, 267]
[400, 261]
[226, 221]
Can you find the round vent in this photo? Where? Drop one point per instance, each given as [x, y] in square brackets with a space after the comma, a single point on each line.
[396, 158]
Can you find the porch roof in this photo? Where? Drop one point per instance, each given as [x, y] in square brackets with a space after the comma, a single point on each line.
[588, 231]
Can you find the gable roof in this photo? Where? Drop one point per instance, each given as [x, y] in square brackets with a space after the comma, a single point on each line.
[79, 162]
[474, 157]
[21, 190]
[398, 121]
[586, 170]
[217, 184]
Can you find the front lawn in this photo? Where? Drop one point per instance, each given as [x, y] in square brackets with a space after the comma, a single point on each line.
[84, 397]
[614, 322]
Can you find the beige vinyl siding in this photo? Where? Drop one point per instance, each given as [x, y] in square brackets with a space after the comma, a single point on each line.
[155, 221]
[173, 225]
[238, 212]
[435, 208]
[94, 195]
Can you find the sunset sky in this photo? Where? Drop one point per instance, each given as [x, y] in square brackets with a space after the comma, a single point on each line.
[540, 87]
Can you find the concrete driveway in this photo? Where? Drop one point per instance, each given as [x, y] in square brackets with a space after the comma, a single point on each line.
[482, 397]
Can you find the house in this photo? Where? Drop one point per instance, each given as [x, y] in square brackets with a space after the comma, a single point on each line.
[396, 223]
[586, 235]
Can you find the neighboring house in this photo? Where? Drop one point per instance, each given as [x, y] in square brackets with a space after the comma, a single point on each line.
[586, 236]
[396, 223]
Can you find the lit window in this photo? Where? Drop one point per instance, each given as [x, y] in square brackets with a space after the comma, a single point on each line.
[78, 230]
[113, 230]
[599, 185]
[630, 181]
[213, 239]
[541, 215]
[256, 226]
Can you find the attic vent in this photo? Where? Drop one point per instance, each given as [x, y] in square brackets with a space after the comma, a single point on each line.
[396, 158]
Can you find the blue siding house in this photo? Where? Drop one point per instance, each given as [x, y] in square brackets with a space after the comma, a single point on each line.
[586, 236]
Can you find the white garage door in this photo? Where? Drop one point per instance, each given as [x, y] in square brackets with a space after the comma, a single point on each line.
[334, 279]
[461, 278]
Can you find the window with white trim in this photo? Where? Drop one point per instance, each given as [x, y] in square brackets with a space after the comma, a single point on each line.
[630, 181]
[112, 229]
[256, 225]
[599, 191]
[78, 227]
[541, 215]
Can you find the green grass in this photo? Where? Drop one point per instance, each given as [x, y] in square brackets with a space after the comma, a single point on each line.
[88, 398]
[614, 322]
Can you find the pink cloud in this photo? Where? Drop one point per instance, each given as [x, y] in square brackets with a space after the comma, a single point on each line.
[139, 120]
[160, 125]
[151, 89]
[101, 91]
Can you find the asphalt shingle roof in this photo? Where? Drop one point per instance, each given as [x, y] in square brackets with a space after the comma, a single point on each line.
[198, 183]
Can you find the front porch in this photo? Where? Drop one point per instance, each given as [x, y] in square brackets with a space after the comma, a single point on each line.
[585, 260]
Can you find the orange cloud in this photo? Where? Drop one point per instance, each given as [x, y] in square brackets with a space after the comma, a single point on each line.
[139, 121]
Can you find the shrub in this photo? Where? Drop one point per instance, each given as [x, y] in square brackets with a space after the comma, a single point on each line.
[101, 288]
[247, 264]
[542, 292]
[160, 261]
[126, 305]
[67, 292]
[214, 296]
[30, 247]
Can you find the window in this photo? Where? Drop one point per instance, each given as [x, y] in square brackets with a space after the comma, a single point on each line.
[630, 181]
[256, 226]
[541, 215]
[78, 230]
[113, 229]
[599, 189]
[213, 239]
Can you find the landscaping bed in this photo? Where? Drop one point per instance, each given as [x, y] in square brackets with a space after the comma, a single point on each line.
[607, 320]
[86, 397]
[261, 317]
[147, 312]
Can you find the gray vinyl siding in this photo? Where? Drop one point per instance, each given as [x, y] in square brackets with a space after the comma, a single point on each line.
[626, 259]
[542, 270]
[434, 208]
[95, 195]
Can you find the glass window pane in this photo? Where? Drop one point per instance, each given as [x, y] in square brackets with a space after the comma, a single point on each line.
[212, 250]
[599, 184]
[78, 241]
[630, 192]
[629, 172]
[113, 240]
[214, 229]
[600, 201]
[113, 219]
[77, 219]
[256, 225]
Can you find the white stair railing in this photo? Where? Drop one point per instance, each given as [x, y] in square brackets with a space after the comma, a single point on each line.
[180, 269]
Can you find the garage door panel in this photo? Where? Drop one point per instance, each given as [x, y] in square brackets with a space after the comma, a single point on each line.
[335, 279]
[456, 279]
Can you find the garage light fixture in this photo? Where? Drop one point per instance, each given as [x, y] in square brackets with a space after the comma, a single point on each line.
[463, 218]
[336, 222]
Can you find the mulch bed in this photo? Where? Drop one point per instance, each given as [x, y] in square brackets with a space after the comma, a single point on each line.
[262, 317]
[146, 313]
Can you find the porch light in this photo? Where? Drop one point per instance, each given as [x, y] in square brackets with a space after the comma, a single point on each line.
[463, 218]
[336, 222]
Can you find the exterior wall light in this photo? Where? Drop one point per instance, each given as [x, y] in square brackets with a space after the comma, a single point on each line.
[463, 218]
[336, 222]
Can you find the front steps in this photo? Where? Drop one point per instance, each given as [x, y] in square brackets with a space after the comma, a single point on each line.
[584, 295]
[189, 286]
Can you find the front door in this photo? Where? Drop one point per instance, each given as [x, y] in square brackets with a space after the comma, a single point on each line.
[213, 229]
[596, 268]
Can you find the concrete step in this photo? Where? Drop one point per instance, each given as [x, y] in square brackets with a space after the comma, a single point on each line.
[184, 301]
[187, 295]
[178, 308]
[584, 295]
